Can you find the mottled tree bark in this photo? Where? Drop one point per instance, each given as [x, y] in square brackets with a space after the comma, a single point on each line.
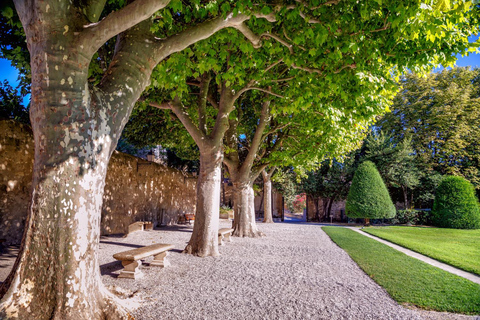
[243, 175]
[244, 210]
[204, 239]
[76, 128]
[267, 196]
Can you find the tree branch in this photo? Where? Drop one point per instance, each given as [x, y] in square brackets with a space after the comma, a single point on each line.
[96, 34]
[273, 65]
[309, 70]
[248, 87]
[282, 80]
[275, 130]
[202, 31]
[257, 137]
[351, 66]
[163, 106]
[202, 102]
[184, 117]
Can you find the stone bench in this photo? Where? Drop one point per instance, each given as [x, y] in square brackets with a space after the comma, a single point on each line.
[140, 226]
[224, 233]
[131, 259]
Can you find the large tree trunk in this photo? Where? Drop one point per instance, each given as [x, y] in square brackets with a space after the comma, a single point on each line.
[267, 199]
[204, 240]
[244, 210]
[56, 276]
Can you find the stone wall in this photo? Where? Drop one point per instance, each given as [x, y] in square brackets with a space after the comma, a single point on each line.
[135, 189]
[16, 166]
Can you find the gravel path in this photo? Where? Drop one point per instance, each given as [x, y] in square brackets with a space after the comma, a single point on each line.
[296, 272]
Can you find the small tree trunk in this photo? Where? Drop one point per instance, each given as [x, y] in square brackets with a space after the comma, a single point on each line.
[204, 240]
[244, 210]
[267, 199]
[332, 200]
[405, 197]
[317, 208]
[56, 276]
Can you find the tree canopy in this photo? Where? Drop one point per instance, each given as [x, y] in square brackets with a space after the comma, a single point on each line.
[440, 114]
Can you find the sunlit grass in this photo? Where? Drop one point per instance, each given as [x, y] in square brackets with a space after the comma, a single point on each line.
[459, 248]
[406, 279]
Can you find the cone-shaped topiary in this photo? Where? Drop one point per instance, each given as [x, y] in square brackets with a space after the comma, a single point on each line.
[456, 205]
[368, 196]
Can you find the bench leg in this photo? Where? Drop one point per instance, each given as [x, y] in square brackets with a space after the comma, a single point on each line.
[228, 237]
[160, 260]
[220, 239]
[130, 270]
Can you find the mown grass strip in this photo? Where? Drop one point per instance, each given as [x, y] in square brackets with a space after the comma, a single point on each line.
[406, 279]
[459, 248]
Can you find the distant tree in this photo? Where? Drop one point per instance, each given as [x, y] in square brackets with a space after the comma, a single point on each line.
[440, 113]
[285, 181]
[395, 161]
[368, 196]
[330, 182]
[456, 205]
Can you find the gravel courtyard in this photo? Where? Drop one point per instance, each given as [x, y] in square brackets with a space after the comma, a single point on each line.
[295, 272]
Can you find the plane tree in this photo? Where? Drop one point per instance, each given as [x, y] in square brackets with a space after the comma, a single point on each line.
[356, 65]
[77, 123]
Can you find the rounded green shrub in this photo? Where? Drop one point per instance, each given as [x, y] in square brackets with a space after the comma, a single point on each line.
[368, 196]
[455, 204]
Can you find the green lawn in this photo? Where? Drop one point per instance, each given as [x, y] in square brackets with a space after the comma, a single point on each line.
[459, 248]
[406, 279]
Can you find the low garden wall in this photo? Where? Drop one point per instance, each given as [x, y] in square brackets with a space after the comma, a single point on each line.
[135, 189]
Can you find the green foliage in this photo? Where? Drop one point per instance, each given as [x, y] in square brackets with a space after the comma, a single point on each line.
[11, 105]
[394, 160]
[285, 181]
[408, 216]
[331, 180]
[12, 43]
[440, 113]
[368, 197]
[456, 205]
[459, 248]
[408, 280]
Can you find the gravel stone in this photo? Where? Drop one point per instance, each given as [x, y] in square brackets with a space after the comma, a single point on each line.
[295, 272]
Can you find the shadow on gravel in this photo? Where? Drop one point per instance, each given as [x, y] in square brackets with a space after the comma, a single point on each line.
[188, 229]
[111, 267]
[122, 244]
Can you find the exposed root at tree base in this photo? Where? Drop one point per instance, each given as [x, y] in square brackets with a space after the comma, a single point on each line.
[249, 234]
[189, 249]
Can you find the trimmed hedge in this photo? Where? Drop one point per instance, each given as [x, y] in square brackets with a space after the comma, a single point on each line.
[368, 197]
[456, 205]
[413, 217]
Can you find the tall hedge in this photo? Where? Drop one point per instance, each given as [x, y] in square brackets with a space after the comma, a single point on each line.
[368, 196]
[456, 205]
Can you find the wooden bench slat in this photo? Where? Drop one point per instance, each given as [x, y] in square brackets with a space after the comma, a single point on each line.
[143, 252]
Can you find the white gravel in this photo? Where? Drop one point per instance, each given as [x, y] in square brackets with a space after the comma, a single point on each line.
[295, 272]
